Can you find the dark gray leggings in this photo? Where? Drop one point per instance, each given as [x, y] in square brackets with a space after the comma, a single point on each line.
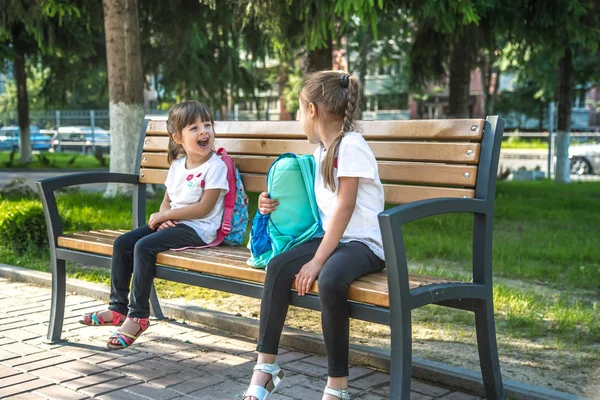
[134, 253]
[348, 262]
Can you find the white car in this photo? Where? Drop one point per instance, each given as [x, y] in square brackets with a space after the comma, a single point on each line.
[585, 159]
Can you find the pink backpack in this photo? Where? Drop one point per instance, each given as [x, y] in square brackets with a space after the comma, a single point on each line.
[235, 217]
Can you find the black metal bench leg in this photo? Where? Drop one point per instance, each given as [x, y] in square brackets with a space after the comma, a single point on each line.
[57, 310]
[155, 309]
[488, 350]
[401, 363]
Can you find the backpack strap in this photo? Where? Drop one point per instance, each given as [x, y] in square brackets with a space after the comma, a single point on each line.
[229, 203]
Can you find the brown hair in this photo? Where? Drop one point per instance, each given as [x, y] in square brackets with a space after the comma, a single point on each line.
[181, 115]
[336, 93]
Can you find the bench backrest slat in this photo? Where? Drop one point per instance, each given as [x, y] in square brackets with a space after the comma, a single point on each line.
[449, 129]
[417, 159]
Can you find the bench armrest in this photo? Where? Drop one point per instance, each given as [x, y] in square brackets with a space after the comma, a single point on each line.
[46, 188]
[409, 212]
[391, 222]
[83, 178]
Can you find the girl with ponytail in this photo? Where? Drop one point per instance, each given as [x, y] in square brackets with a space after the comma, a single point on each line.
[349, 195]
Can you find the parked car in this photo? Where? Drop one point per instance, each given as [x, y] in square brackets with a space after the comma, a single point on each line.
[9, 138]
[585, 159]
[80, 139]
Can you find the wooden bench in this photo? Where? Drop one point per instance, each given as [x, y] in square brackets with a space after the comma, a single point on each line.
[427, 167]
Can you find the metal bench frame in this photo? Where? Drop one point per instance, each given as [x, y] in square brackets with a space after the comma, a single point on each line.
[475, 296]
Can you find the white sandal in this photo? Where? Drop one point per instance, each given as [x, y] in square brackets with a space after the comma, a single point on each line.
[263, 393]
[338, 393]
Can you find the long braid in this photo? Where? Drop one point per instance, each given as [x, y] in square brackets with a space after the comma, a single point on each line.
[347, 126]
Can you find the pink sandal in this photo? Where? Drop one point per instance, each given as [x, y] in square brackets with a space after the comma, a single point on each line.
[95, 319]
[126, 339]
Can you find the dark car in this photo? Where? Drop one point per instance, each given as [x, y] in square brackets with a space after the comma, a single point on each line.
[9, 138]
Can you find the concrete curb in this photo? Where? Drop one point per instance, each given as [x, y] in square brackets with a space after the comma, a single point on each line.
[430, 371]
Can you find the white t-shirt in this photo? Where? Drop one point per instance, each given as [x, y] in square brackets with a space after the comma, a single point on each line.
[355, 159]
[186, 186]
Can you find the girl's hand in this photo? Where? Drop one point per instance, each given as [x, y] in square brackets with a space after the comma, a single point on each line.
[265, 204]
[155, 219]
[307, 276]
[167, 224]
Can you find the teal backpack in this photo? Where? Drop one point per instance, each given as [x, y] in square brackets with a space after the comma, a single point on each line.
[291, 180]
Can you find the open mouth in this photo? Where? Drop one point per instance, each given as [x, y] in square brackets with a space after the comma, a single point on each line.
[203, 143]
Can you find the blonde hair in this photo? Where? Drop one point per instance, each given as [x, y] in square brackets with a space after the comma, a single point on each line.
[181, 115]
[337, 94]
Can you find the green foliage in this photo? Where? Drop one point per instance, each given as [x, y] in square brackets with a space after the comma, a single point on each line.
[55, 160]
[22, 225]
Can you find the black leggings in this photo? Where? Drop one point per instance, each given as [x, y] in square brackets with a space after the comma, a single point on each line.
[134, 253]
[348, 262]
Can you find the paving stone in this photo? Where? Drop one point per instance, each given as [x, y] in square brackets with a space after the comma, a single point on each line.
[5, 340]
[198, 383]
[22, 349]
[16, 379]
[370, 381]
[306, 368]
[86, 381]
[425, 388]
[30, 358]
[154, 392]
[24, 387]
[122, 361]
[141, 371]
[75, 351]
[204, 359]
[5, 372]
[292, 380]
[226, 390]
[459, 396]
[358, 372]
[56, 375]
[20, 334]
[122, 394]
[23, 396]
[108, 386]
[291, 356]
[82, 368]
[48, 362]
[234, 346]
[176, 378]
[300, 392]
[59, 393]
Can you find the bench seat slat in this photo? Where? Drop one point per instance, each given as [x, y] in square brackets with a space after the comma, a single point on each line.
[230, 262]
[463, 152]
[456, 129]
[402, 172]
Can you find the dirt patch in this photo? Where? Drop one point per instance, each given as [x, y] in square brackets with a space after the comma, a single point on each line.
[541, 362]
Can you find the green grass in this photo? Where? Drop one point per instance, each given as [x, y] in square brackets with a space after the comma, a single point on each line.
[514, 142]
[46, 160]
[546, 257]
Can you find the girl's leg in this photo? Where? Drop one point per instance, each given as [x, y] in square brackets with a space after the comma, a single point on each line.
[122, 269]
[275, 301]
[349, 262]
[144, 270]
[144, 263]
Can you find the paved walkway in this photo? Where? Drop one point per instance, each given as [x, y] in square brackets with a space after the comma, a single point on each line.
[170, 361]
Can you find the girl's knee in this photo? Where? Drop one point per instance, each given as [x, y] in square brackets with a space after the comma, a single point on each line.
[331, 288]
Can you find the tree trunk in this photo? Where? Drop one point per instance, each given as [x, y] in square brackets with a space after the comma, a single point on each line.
[282, 78]
[486, 77]
[494, 96]
[363, 62]
[22, 98]
[460, 78]
[563, 131]
[125, 87]
[320, 59]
